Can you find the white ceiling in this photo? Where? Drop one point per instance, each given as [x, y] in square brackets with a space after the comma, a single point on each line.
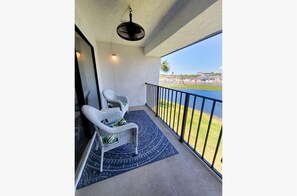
[206, 24]
[105, 15]
[169, 24]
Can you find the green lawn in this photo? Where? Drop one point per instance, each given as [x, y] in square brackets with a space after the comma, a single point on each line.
[165, 107]
[219, 88]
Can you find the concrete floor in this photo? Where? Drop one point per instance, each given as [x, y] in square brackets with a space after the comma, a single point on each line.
[181, 174]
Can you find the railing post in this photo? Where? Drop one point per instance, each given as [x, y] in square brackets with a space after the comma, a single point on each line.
[184, 118]
[146, 96]
[157, 110]
[216, 151]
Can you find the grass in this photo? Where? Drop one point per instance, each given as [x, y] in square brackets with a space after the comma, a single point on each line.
[200, 87]
[164, 112]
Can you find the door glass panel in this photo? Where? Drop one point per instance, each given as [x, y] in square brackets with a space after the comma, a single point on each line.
[87, 72]
[86, 93]
[81, 140]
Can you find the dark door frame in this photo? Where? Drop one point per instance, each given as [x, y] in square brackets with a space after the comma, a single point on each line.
[94, 64]
[81, 100]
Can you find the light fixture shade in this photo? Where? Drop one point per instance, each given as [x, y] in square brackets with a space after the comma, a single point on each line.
[77, 54]
[130, 31]
[114, 57]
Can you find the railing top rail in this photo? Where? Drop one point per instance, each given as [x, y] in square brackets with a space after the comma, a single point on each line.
[217, 100]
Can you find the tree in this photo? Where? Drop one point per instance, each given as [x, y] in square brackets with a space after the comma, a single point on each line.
[165, 66]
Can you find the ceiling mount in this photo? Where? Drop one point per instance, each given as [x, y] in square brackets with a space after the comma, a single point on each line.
[129, 30]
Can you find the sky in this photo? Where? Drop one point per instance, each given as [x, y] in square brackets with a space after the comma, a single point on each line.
[204, 56]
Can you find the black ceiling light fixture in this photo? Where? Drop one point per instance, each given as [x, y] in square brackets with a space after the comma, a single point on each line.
[129, 30]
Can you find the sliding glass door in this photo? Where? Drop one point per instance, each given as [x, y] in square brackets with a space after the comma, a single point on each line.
[86, 92]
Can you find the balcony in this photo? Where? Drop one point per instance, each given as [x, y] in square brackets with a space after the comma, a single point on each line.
[173, 25]
[181, 174]
[195, 120]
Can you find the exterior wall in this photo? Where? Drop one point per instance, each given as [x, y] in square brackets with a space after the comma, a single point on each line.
[128, 74]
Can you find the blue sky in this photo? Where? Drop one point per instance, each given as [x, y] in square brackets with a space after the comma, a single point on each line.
[205, 56]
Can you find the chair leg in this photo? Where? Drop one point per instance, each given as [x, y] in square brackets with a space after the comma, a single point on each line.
[97, 143]
[136, 140]
[136, 150]
[101, 164]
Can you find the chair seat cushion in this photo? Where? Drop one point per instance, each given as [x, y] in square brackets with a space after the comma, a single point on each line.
[117, 123]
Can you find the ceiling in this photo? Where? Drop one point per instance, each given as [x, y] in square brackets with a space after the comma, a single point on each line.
[161, 19]
[106, 15]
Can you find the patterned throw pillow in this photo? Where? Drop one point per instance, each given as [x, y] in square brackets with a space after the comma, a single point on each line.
[110, 139]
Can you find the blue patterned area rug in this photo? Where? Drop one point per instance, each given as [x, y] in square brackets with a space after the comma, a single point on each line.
[152, 146]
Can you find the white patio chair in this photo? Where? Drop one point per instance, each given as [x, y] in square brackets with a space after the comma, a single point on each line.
[114, 100]
[127, 133]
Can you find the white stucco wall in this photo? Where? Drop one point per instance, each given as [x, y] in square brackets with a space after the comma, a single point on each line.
[131, 71]
[127, 76]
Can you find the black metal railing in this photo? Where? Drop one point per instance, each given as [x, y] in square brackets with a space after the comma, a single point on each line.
[195, 119]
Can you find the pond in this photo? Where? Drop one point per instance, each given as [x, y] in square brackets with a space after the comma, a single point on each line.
[207, 104]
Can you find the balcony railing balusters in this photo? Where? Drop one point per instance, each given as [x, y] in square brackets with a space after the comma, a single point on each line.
[199, 122]
[161, 98]
[217, 147]
[157, 107]
[190, 129]
[208, 128]
[156, 93]
[174, 110]
[153, 95]
[148, 95]
[167, 103]
[163, 103]
[184, 122]
[180, 99]
[170, 107]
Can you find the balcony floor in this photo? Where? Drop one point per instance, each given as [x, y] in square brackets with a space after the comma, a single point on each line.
[181, 174]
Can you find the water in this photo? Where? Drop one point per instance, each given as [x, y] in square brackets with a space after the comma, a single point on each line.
[207, 103]
[206, 93]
